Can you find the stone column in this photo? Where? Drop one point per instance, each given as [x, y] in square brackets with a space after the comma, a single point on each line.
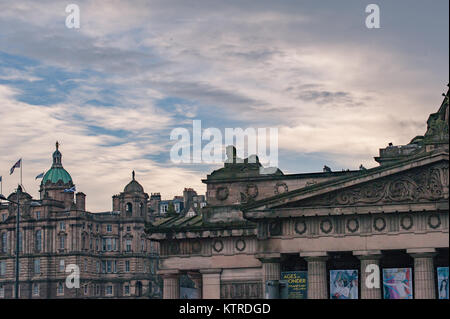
[317, 275]
[423, 273]
[211, 283]
[369, 258]
[270, 268]
[171, 284]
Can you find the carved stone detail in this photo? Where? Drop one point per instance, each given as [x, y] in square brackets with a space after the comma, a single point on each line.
[326, 226]
[425, 184]
[434, 221]
[222, 193]
[379, 223]
[275, 228]
[352, 225]
[218, 246]
[240, 245]
[241, 290]
[280, 188]
[406, 222]
[252, 191]
[300, 227]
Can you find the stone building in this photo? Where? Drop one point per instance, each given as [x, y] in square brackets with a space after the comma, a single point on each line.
[114, 257]
[393, 217]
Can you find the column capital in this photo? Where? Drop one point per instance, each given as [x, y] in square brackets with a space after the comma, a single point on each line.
[211, 271]
[422, 252]
[166, 273]
[367, 254]
[269, 257]
[314, 255]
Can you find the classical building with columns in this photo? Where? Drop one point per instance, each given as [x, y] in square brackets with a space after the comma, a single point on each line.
[114, 257]
[390, 220]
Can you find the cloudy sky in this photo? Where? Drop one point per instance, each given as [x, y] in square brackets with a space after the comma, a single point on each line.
[112, 90]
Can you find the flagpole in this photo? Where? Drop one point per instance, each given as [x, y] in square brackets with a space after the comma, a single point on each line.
[21, 165]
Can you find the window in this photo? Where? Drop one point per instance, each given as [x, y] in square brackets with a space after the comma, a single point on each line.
[115, 267]
[98, 267]
[103, 266]
[143, 245]
[38, 240]
[86, 289]
[62, 242]
[128, 244]
[4, 242]
[97, 242]
[128, 228]
[109, 266]
[60, 289]
[35, 289]
[3, 217]
[62, 265]
[108, 244]
[127, 266]
[129, 209]
[83, 226]
[62, 226]
[126, 290]
[109, 290]
[38, 215]
[37, 266]
[104, 244]
[97, 289]
[96, 227]
[109, 228]
[90, 244]
[2, 268]
[85, 265]
[114, 244]
[141, 209]
[2, 291]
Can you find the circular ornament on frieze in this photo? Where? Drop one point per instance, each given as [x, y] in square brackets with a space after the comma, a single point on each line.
[240, 245]
[326, 226]
[281, 188]
[174, 248]
[406, 222]
[252, 190]
[352, 225]
[196, 246]
[218, 246]
[434, 221]
[379, 224]
[275, 228]
[300, 227]
[222, 193]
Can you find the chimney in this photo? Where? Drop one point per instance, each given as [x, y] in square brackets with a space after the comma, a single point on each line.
[116, 203]
[81, 201]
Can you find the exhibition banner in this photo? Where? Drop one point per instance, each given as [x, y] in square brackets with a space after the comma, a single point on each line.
[344, 284]
[297, 283]
[442, 275]
[397, 283]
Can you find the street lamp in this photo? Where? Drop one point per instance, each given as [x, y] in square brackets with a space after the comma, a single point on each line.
[2, 197]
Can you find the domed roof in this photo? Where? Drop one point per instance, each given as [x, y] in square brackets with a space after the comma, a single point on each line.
[133, 186]
[57, 172]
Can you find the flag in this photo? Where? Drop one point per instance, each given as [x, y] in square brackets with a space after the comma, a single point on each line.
[1, 180]
[17, 165]
[70, 190]
[41, 175]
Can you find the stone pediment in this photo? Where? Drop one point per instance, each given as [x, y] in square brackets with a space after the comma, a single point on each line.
[421, 180]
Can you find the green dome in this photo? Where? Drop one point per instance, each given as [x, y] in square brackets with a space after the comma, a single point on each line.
[56, 174]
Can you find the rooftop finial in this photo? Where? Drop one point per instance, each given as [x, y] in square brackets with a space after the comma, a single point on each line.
[57, 145]
[133, 174]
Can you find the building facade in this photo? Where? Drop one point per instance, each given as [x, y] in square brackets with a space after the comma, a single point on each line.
[110, 249]
[329, 231]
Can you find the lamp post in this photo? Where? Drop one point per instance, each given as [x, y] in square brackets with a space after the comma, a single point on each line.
[19, 191]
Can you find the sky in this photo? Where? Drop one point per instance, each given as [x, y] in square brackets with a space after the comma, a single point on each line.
[112, 91]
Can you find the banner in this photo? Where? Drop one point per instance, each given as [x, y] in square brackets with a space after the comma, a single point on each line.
[442, 275]
[188, 289]
[344, 284]
[397, 283]
[297, 284]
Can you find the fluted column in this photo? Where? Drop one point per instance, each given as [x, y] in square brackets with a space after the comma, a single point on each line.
[423, 273]
[317, 275]
[197, 279]
[371, 289]
[270, 268]
[171, 284]
[211, 283]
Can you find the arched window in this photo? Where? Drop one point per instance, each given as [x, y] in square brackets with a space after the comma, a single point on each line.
[38, 240]
[141, 209]
[129, 209]
[138, 289]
